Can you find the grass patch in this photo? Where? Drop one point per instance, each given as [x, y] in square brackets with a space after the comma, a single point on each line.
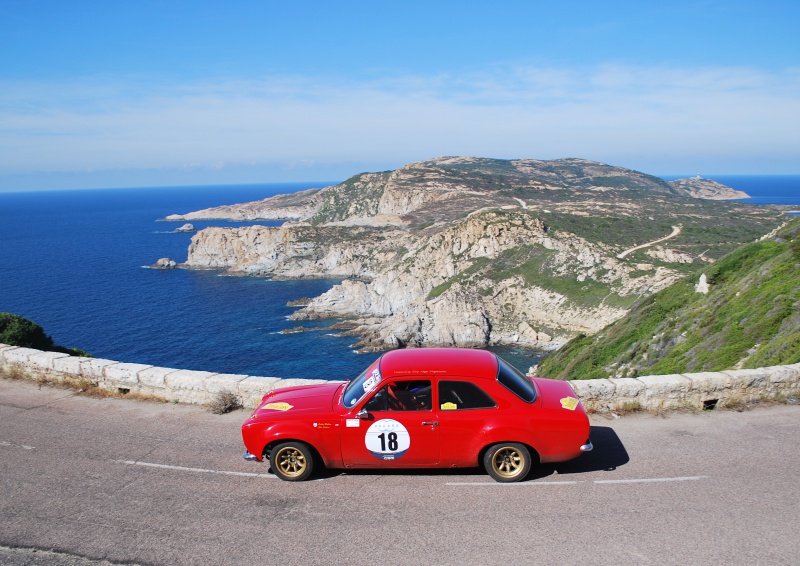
[13, 372]
[81, 386]
[533, 265]
[477, 265]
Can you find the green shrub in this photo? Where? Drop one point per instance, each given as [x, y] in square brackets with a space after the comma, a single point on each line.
[18, 331]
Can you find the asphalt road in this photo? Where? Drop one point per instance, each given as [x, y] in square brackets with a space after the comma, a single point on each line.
[97, 481]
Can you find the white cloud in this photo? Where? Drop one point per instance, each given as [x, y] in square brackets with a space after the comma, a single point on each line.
[614, 113]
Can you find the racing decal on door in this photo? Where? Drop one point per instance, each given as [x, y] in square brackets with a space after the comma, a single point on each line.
[387, 439]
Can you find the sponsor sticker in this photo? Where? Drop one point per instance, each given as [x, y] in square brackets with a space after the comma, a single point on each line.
[353, 423]
[449, 406]
[569, 403]
[278, 406]
[371, 382]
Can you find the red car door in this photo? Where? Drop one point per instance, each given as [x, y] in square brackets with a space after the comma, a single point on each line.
[398, 428]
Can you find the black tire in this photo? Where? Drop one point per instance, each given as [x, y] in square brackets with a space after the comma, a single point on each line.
[292, 461]
[507, 462]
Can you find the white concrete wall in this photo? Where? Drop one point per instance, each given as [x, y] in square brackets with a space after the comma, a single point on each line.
[689, 390]
[185, 386]
[652, 392]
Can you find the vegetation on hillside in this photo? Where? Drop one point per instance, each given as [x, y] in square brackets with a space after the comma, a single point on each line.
[749, 318]
[18, 331]
[358, 196]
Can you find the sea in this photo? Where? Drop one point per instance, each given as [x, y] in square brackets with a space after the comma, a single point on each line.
[76, 263]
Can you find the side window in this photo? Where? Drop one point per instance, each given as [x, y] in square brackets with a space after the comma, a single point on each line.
[457, 395]
[402, 395]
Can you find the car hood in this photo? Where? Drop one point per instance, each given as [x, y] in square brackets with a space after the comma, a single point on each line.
[290, 400]
[555, 394]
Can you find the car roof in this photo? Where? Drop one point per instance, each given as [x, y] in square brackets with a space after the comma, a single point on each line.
[462, 362]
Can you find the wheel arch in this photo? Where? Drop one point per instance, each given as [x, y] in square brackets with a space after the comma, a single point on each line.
[274, 442]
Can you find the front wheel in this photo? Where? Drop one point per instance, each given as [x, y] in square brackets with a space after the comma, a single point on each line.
[507, 461]
[291, 461]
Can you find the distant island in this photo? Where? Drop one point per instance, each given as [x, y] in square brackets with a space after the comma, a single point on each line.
[473, 251]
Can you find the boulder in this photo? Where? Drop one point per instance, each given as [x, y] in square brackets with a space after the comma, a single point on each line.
[165, 263]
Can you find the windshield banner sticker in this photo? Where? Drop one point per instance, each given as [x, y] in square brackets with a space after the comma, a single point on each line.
[372, 381]
[387, 439]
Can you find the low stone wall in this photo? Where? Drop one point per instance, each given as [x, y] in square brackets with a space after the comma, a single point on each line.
[705, 390]
[184, 386]
[654, 392]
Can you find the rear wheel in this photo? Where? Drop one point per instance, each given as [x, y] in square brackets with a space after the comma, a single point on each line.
[507, 461]
[292, 461]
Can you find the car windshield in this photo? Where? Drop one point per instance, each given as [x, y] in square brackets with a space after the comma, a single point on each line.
[513, 379]
[360, 386]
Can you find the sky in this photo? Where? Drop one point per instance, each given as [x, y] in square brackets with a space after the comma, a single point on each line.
[158, 93]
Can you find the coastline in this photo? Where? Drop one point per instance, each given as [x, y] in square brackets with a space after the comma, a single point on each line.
[83, 282]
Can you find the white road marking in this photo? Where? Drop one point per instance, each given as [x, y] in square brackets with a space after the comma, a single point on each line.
[452, 483]
[653, 480]
[194, 470]
[494, 483]
[12, 445]
[537, 483]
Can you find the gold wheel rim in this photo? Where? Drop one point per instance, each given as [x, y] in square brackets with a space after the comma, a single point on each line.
[508, 462]
[291, 462]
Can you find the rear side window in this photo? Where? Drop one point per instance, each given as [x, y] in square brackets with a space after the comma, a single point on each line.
[513, 379]
[457, 395]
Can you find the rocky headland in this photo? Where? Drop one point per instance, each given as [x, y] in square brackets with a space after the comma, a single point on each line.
[698, 187]
[471, 252]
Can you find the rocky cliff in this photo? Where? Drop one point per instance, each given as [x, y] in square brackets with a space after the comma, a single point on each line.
[470, 251]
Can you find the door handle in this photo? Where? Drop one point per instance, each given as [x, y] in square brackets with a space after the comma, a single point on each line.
[430, 423]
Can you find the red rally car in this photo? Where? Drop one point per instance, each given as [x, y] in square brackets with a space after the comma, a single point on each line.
[421, 408]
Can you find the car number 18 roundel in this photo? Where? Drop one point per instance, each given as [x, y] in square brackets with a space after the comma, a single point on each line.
[387, 439]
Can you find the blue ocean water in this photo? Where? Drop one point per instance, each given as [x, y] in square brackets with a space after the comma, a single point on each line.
[763, 189]
[72, 261]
